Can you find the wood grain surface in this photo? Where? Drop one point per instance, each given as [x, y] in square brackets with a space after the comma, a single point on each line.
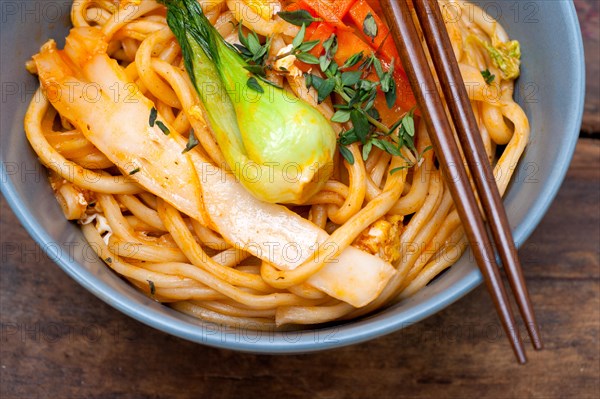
[589, 17]
[59, 341]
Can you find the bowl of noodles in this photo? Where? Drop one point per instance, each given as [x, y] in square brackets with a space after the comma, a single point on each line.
[254, 175]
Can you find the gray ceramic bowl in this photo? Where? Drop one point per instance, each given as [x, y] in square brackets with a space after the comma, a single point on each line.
[551, 91]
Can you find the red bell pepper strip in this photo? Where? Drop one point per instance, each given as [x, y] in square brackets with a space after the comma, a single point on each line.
[388, 116]
[358, 13]
[341, 7]
[323, 9]
[317, 31]
[348, 45]
[383, 42]
[376, 6]
[388, 51]
[322, 32]
[405, 98]
[385, 47]
[298, 5]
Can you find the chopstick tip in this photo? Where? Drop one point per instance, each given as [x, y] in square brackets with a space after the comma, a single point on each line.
[534, 332]
[520, 354]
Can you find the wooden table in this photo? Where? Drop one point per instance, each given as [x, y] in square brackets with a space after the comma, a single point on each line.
[59, 341]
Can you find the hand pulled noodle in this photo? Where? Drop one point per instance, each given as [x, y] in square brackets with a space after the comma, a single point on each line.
[133, 158]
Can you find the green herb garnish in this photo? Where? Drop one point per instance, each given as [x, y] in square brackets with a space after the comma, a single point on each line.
[358, 97]
[370, 26]
[488, 76]
[192, 142]
[133, 172]
[353, 60]
[152, 287]
[163, 127]
[300, 48]
[410, 165]
[153, 116]
[256, 55]
[253, 84]
[253, 52]
[347, 154]
[298, 17]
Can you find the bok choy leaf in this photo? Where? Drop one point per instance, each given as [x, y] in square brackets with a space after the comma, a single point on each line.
[278, 146]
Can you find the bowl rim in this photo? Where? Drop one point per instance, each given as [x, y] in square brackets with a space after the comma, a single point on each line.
[350, 333]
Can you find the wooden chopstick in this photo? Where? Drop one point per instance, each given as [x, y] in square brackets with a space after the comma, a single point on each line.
[440, 47]
[424, 87]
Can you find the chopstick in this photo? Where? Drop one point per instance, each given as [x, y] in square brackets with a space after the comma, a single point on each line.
[429, 99]
[469, 136]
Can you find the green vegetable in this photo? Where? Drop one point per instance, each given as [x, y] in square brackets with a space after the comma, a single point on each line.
[254, 85]
[488, 76]
[153, 116]
[358, 97]
[506, 56]
[347, 154]
[370, 26]
[254, 53]
[152, 287]
[163, 127]
[298, 17]
[278, 146]
[192, 142]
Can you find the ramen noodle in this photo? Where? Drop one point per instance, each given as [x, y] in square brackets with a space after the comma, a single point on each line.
[135, 160]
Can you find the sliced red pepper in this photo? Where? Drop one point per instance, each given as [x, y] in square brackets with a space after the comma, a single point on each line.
[299, 5]
[383, 43]
[341, 7]
[358, 13]
[388, 116]
[311, 31]
[376, 6]
[322, 32]
[318, 31]
[405, 98]
[323, 10]
[348, 45]
[388, 51]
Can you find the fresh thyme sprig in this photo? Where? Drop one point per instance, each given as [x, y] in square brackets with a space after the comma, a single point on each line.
[253, 52]
[256, 55]
[298, 17]
[300, 49]
[358, 97]
[358, 94]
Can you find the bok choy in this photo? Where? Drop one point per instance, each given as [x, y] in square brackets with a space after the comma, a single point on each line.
[278, 146]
